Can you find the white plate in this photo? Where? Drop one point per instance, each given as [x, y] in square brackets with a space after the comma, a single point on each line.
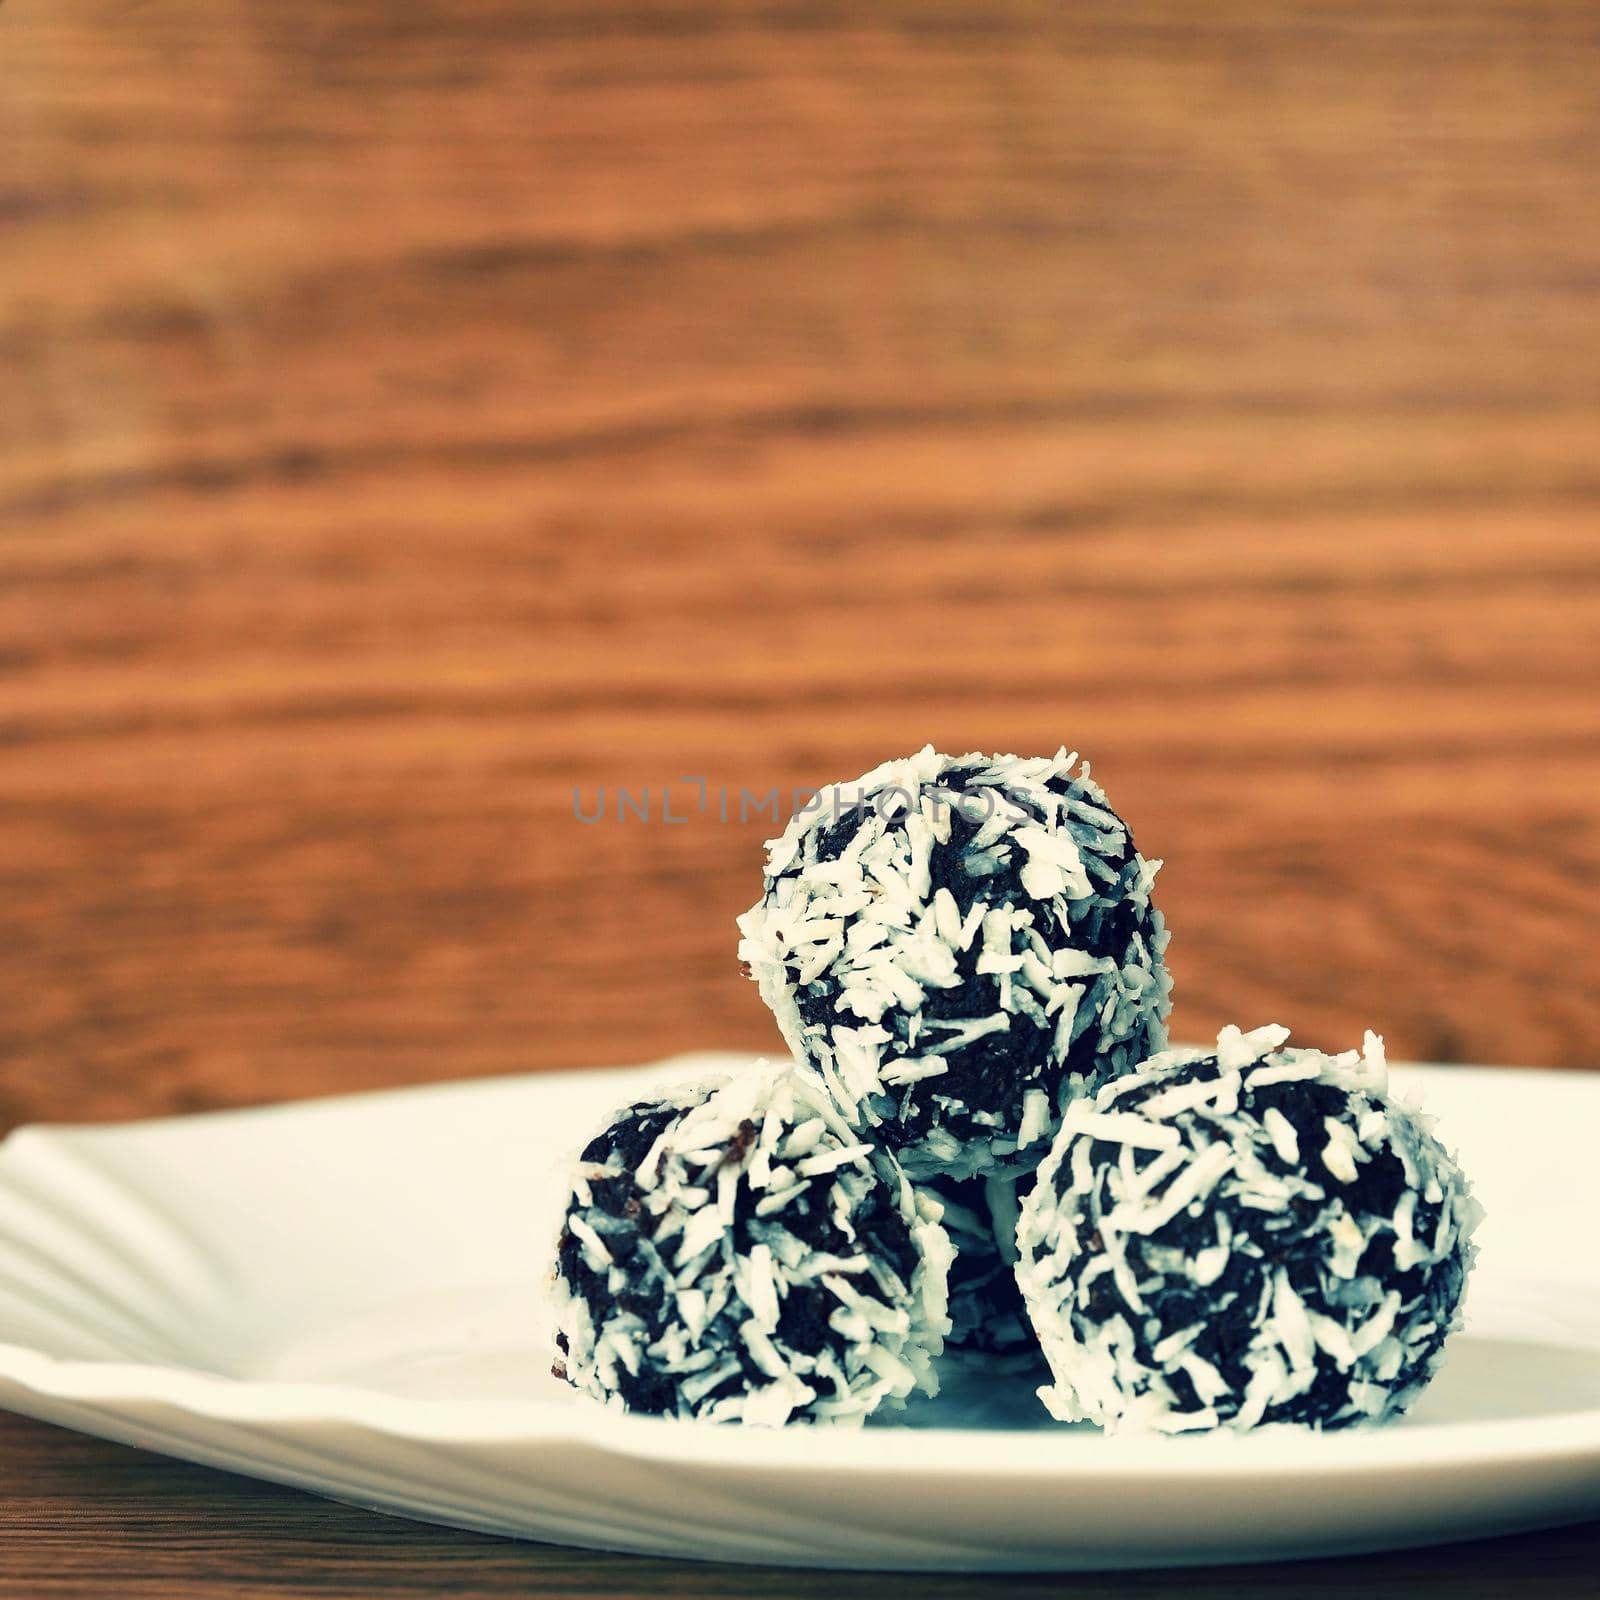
[345, 1295]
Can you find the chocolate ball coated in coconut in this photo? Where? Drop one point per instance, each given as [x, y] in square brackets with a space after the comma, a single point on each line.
[732, 1252]
[959, 946]
[1245, 1236]
[988, 1322]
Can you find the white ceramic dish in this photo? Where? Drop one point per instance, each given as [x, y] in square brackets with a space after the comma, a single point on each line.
[345, 1295]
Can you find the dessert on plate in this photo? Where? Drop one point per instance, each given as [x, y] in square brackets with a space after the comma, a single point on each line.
[960, 945]
[732, 1252]
[983, 1152]
[1251, 1234]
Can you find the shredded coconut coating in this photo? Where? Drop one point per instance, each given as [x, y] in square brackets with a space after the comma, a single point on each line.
[733, 1253]
[988, 1321]
[960, 946]
[1251, 1236]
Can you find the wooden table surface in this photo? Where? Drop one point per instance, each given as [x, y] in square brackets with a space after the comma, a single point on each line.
[420, 419]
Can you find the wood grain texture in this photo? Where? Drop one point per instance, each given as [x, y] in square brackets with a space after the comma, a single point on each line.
[412, 413]
[82, 1517]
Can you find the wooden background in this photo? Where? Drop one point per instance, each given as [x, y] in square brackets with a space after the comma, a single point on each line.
[414, 413]
[411, 413]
